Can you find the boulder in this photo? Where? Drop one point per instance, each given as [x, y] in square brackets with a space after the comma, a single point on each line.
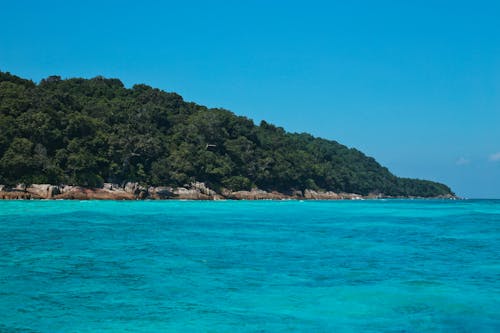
[15, 194]
[350, 196]
[190, 194]
[112, 187]
[161, 192]
[202, 188]
[132, 188]
[254, 194]
[321, 195]
[138, 190]
[81, 193]
[71, 192]
[20, 187]
[69, 188]
[44, 191]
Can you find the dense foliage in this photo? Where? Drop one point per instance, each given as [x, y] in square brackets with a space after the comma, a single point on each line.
[87, 132]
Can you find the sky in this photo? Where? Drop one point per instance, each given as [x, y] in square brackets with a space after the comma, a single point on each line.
[416, 85]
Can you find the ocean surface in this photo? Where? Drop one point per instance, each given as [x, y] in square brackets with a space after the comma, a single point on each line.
[250, 266]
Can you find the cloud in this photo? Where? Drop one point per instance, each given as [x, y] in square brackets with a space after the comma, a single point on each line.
[495, 157]
[462, 161]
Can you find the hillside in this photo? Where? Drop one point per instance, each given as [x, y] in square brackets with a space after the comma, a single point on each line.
[90, 131]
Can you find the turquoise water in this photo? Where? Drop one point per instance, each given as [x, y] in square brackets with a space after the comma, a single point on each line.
[235, 266]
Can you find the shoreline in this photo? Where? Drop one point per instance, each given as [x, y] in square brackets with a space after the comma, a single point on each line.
[193, 191]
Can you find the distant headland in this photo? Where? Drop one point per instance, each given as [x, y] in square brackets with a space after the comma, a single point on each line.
[105, 141]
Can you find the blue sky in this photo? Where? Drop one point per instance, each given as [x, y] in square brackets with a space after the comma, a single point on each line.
[414, 84]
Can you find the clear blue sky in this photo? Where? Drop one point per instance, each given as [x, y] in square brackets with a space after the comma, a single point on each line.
[414, 84]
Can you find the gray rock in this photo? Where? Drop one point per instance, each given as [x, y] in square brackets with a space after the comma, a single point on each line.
[162, 191]
[321, 195]
[190, 194]
[255, 194]
[350, 196]
[45, 191]
[202, 188]
[69, 188]
[20, 187]
[132, 188]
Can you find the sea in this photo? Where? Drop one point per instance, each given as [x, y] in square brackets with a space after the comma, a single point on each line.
[250, 266]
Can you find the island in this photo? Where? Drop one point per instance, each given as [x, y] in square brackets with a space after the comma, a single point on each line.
[97, 139]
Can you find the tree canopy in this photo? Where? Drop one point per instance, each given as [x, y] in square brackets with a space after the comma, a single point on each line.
[89, 131]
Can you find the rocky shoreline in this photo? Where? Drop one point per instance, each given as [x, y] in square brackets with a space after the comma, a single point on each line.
[193, 191]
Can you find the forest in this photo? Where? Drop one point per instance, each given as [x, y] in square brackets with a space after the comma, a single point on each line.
[90, 131]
